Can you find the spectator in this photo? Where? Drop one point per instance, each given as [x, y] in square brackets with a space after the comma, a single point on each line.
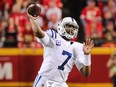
[109, 12]
[108, 41]
[109, 35]
[26, 37]
[11, 32]
[111, 65]
[94, 30]
[110, 27]
[16, 14]
[2, 32]
[43, 9]
[53, 15]
[46, 3]
[90, 11]
[24, 5]
[6, 10]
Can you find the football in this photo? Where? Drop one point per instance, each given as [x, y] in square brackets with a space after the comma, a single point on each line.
[34, 9]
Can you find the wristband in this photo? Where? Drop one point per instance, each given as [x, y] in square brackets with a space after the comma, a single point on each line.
[87, 60]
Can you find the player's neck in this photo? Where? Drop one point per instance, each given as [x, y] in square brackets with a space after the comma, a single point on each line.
[65, 38]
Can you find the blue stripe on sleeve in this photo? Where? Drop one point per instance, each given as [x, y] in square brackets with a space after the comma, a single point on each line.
[52, 33]
[35, 80]
[38, 80]
[55, 34]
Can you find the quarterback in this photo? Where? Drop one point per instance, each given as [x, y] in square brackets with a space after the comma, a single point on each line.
[60, 54]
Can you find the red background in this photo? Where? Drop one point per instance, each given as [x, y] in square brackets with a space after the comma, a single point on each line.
[25, 68]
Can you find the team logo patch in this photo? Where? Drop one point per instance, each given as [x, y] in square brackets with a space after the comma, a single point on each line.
[58, 43]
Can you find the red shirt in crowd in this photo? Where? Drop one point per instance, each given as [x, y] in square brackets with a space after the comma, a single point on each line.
[88, 13]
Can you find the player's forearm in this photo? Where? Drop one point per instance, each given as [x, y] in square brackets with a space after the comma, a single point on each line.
[36, 28]
[86, 71]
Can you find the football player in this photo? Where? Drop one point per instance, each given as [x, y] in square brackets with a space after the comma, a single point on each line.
[60, 54]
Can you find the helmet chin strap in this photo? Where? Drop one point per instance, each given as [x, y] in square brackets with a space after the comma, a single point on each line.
[64, 37]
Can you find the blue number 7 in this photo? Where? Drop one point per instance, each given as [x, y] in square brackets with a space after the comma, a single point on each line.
[69, 55]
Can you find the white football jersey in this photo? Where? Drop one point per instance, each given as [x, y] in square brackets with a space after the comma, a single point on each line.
[59, 56]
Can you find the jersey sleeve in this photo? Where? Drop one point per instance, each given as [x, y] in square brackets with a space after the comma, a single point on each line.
[80, 56]
[52, 33]
[48, 39]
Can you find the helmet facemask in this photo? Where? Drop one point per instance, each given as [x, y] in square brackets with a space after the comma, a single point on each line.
[71, 30]
[68, 28]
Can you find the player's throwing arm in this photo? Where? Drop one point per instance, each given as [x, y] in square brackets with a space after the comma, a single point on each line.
[33, 12]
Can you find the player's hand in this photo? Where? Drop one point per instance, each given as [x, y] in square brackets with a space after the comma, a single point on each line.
[87, 46]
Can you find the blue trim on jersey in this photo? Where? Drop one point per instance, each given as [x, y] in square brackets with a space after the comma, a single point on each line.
[37, 81]
[54, 35]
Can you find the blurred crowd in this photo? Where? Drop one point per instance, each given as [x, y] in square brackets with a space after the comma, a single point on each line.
[98, 19]
[99, 22]
[15, 28]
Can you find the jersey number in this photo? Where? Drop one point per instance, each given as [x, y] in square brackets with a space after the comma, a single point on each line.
[69, 55]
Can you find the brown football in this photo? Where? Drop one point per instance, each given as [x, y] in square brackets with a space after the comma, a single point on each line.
[34, 9]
